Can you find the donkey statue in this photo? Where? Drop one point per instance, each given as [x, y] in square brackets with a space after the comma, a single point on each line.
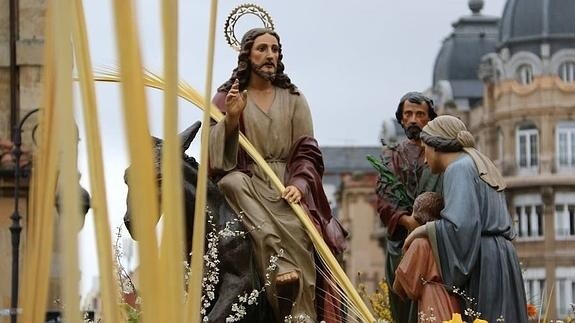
[237, 269]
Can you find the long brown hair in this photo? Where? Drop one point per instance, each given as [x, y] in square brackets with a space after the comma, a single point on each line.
[243, 70]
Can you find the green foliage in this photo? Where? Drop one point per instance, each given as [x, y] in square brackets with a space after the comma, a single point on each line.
[132, 314]
[389, 185]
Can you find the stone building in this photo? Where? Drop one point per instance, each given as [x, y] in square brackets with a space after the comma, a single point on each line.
[349, 181]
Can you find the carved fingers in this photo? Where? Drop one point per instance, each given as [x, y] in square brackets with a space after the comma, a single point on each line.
[236, 101]
[291, 194]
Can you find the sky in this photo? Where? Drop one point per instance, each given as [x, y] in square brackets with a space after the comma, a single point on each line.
[353, 60]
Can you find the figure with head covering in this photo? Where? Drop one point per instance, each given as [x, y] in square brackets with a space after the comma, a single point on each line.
[471, 242]
[260, 101]
[406, 161]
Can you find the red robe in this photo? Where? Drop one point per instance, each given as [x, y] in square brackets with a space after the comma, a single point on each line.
[418, 278]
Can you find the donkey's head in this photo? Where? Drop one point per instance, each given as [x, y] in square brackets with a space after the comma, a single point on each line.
[190, 175]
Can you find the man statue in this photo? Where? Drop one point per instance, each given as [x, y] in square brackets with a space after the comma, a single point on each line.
[260, 101]
[406, 161]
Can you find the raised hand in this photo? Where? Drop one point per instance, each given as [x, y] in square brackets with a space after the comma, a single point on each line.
[236, 101]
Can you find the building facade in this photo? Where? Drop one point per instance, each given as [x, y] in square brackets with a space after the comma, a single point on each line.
[349, 182]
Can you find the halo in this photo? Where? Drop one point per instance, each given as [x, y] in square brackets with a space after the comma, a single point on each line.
[237, 13]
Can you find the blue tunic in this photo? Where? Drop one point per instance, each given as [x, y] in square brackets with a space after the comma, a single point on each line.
[472, 244]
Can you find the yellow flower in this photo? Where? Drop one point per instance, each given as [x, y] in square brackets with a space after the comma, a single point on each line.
[456, 318]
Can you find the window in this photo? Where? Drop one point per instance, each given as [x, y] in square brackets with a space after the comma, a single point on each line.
[564, 215]
[528, 211]
[528, 147]
[529, 220]
[567, 72]
[564, 220]
[534, 281]
[566, 145]
[525, 74]
[565, 289]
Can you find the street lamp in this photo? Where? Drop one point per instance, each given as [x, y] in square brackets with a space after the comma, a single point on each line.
[16, 228]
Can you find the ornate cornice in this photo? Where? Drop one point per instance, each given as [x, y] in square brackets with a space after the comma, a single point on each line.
[539, 83]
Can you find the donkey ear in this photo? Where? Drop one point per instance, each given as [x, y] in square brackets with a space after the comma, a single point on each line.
[188, 135]
[157, 142]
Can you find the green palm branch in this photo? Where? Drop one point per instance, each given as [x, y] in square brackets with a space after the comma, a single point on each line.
[389, 184]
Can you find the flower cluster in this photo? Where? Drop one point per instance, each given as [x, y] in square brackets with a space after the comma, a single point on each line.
[227, 231]
[272, 267]
[469, 301]
[212, 272]
[239, 309]
[300, 318]
[379, 300]
[427, 316]
[211, 261]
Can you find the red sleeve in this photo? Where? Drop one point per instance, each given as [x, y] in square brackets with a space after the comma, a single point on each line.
[413, 266]
[389, 214]
[304, 170]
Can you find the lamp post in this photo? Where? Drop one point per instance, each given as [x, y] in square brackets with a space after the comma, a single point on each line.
[16, 228]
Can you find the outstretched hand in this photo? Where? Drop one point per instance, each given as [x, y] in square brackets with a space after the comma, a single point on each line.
[236, 101]
[291, 194]
[419, 232]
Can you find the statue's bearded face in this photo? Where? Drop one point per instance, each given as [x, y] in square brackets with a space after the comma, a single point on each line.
[264, 56]
[414, 117]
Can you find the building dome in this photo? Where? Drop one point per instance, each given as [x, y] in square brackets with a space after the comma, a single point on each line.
[455, 75]
[527, 24]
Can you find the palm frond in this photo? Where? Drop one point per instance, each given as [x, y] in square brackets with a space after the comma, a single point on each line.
[389, 185]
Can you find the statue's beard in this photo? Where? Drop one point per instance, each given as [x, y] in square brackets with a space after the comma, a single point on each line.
[258, 69]
[412, 132]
